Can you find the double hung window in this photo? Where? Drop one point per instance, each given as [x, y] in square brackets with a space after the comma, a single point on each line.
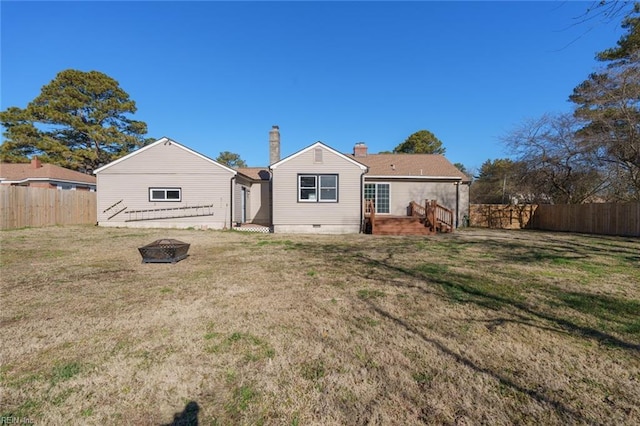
[318, 188]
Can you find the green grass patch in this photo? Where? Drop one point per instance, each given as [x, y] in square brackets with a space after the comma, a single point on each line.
[288, 243]
[622, 315]
[422, 377]
[366, 294]
[313, 370]
[253, 348]
[64, 372]
[366, 322]
[242, 397]
[27, 410]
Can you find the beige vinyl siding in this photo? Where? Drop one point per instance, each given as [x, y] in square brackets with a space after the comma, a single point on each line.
[202, 183]
[403, 191]
[260, 203]
[237, 211]
[257, 207]
[289, 215]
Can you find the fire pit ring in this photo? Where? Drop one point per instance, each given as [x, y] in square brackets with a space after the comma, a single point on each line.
[164, 251]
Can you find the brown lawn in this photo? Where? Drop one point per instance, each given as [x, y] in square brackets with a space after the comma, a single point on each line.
[476, 327]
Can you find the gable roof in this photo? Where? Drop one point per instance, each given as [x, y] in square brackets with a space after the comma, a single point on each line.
[433, 166]
[24, 172]
[315, 145]
[164, 140]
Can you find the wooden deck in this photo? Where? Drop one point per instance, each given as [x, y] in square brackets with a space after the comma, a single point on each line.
[429, 219]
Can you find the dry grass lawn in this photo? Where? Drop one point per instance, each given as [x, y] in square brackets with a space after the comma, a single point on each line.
[476, 327]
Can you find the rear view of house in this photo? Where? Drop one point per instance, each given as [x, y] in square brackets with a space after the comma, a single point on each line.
[314, 190]
[165, 184]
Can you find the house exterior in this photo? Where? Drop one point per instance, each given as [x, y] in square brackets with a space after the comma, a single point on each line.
[166, 184]
[317, 190]
[314, 190]
[394, 180]
[41, 175]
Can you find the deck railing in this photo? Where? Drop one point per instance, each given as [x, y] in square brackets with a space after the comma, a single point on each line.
[443, 216]
[370, 212]
[436, 217]
[417, 210]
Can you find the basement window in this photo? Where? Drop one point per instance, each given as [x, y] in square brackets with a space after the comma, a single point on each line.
[165, 194]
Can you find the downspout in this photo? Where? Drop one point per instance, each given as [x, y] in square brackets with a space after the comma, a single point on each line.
[233, 193]
[271, 199]
[362, 199]
[457, 202]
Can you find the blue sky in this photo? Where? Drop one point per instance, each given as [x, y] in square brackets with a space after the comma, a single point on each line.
[215, 76]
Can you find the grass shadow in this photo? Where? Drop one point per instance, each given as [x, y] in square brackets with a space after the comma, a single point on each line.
[466, 288]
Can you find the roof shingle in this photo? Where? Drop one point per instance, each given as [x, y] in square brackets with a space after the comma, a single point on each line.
[26, 171]
[425, 165]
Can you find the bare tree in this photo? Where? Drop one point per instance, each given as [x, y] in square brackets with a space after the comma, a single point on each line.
[554, 163]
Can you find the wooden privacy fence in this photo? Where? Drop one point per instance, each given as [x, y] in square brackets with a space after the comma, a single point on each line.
[500, 216]
[597, 218]
[22, 206]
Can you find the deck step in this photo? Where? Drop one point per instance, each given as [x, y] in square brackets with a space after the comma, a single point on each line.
[400, 226]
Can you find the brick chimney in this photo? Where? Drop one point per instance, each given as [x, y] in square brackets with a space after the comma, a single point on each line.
[274, 145]
[35, 163]
[360, 150]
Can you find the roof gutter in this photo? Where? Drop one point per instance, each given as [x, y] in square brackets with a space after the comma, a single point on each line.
[75, 182]
[415, 177]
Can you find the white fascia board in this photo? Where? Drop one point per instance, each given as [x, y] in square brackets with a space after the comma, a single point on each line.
[164, 140]
[315, 145]
[204, 157]
[413, 177]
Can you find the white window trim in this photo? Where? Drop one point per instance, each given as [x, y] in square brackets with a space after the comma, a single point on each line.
[318, 188]
[300, 187]
[165, 199]
[375, 192]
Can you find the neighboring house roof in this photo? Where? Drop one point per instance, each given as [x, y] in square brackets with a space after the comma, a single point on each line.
[328, 148]
[17, 173]
[163, 140]
[255, 173]
[432, 166]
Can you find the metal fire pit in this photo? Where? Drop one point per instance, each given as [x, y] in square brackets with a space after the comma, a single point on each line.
[164, 251]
